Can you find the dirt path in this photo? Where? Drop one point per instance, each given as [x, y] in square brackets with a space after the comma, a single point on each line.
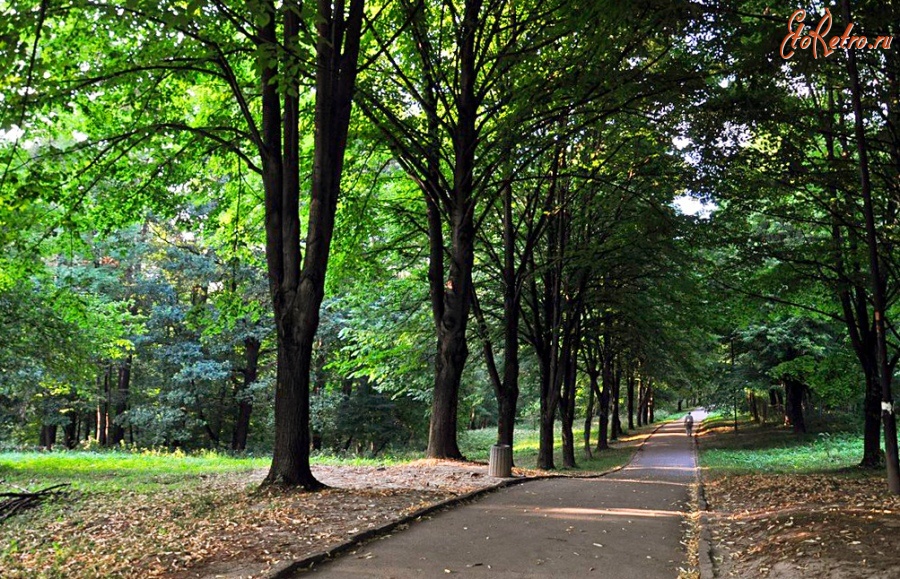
[625, 525]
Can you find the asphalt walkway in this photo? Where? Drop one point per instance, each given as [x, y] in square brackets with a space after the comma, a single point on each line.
[626, 525]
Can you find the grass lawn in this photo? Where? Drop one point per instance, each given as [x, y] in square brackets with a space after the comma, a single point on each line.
[774, 449]
[152, 471]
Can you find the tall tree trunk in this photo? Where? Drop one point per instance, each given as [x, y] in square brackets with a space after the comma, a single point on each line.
[48, 436]
[245, 402]
[878, 290]
[794, 391]
[509, 395]
[606, 376]
[120, 402]
[589, 418]
[103, 406]
[452, 350]
[617, 385]
[549, 401]
[567, 406]
[297, 283]
[630, 393]
[452, 347]
[855, 306]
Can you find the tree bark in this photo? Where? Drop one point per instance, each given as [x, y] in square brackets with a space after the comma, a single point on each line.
[617, 385]
[297, 283]
[630, 393]
[120, 402]
[794, 391]
[245, 403]
[878, 290]
[589, 419]
[103, 406]
[606, 377]
[567, 398]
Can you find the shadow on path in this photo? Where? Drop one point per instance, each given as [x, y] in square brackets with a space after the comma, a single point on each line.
[625, 525]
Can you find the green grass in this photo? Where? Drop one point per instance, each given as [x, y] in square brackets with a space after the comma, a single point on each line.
[150, 471]
[775, 449]
[476, 444]
[116, 470]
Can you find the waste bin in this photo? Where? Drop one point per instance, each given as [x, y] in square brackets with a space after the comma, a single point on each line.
[500, 464]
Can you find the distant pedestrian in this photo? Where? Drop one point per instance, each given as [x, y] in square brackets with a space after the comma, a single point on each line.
[689, 424]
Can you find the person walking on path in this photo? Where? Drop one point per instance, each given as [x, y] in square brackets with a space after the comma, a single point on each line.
[689, 424]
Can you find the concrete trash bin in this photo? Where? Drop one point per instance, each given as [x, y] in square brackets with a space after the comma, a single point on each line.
[500, 465]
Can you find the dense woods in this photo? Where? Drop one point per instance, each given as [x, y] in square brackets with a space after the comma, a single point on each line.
[361, 227]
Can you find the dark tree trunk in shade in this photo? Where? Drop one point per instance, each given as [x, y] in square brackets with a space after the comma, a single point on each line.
[48, 436]
[588, 421]
[885, 369]
[606, 380]
[616, 426]
[452, 350]
[508, 397]
[794, 392]
[854, 300]
[567, 398]
[245, 403]
[70, 431]
[549, 401]
[296, 281]
[629, 387]
[120, 402]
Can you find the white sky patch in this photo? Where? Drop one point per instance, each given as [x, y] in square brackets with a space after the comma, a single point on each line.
[681, 142]
[693, 206]
[79, 137]
[12, 134]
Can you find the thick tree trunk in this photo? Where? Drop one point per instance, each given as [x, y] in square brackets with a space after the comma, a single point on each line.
[70, 431]
[885, 372]
[452, 347]
[794, 391]
[751, 402]
[549, 401]
[872, 426]
[48, 436]
[567, 406]
[245, 404]
[297, 283]
[509, 395]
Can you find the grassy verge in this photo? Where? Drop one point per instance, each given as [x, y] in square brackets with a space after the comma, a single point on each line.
[117, 471]
[476, 444]
[774, 449]
[151, 471]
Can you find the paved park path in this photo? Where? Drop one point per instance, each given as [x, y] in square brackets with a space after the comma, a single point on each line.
[625, 525]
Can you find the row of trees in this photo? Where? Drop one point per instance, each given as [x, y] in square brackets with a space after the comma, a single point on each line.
[474, 176]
